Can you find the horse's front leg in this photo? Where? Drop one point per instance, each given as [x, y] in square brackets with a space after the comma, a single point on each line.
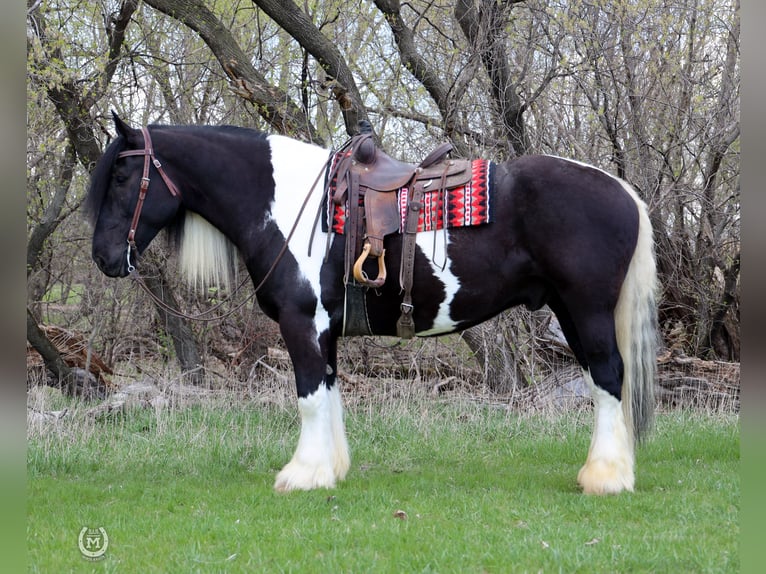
[322, 455]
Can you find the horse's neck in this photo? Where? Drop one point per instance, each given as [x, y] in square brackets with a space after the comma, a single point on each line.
[244, 202]
[216, 178]
[242, 188]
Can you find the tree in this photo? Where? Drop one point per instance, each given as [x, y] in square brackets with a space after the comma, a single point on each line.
[72, 105]
[647, 90]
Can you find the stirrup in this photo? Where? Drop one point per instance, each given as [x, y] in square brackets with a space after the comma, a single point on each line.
[362, 277]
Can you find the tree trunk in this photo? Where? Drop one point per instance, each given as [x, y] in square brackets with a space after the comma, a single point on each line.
[494, 357]
[298, 24]
[483, 24]
[271, 103]
[38, 272]
[53, 361]
[506, 348]
[429, 76]
[71, 381]
[184, 341]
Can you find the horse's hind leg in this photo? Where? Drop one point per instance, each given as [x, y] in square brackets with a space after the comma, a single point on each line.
[322, 455]
[609, 467]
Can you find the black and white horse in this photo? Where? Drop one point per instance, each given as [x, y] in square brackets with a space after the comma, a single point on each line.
[564, 234]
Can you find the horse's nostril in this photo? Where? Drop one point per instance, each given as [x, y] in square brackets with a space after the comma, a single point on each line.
[99, 260]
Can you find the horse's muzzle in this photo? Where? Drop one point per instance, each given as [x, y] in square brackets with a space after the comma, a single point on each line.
[110, 265]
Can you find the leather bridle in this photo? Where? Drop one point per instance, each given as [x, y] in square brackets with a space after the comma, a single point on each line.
[148, 153]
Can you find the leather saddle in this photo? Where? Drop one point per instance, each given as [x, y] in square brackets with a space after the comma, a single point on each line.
[369, 181]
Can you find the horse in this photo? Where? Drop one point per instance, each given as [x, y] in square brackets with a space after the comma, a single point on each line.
[564, 233]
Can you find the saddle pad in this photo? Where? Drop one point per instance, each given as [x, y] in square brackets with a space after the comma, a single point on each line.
[467, 205]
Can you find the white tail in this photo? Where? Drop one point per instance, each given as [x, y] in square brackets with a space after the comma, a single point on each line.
[206, 257]
[636, 325]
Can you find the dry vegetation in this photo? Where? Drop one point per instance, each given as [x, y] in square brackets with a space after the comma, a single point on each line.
[373, 371]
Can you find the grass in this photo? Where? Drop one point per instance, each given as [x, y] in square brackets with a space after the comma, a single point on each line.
[57, 293]
[481, 489]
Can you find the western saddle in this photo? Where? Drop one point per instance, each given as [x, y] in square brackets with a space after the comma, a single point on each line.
[368, 181]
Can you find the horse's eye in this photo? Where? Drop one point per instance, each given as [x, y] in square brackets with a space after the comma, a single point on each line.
[120, 176]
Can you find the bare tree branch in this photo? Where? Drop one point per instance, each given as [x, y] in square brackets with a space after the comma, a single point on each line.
[424, 72]
[73, 109]
[298, 24]
[483, 24]
[272, 104]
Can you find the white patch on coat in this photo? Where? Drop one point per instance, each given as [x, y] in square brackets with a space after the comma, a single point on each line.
[609, 466]
[433, 244]
[322, 456]
[312, 464]
[297, 165]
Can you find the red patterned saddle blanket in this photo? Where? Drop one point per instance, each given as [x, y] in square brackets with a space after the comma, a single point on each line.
[463, 206]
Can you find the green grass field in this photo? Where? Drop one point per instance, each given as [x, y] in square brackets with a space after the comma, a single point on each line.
[434, 486]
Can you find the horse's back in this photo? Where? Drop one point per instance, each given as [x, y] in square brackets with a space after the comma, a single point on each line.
[559, 192]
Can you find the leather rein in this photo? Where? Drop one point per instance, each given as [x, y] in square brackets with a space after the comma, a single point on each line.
[150, 158]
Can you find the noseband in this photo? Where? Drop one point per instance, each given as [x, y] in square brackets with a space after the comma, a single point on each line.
[148, 153]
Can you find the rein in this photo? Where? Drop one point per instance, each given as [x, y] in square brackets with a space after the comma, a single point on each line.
[148, 153]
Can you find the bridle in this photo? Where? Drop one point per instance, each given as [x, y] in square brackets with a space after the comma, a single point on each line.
[148, 153]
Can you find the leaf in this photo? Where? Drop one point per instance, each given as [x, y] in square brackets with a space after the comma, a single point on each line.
[400, 514]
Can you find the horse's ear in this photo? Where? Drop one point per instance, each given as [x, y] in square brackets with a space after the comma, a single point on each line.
[122, 128]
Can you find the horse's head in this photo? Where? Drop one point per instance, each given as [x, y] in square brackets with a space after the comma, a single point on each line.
[124, 224]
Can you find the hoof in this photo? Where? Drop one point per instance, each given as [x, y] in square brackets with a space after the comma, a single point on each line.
[601, 476]
[297, 476]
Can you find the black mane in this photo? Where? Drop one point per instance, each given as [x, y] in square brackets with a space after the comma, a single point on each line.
[99, 179]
